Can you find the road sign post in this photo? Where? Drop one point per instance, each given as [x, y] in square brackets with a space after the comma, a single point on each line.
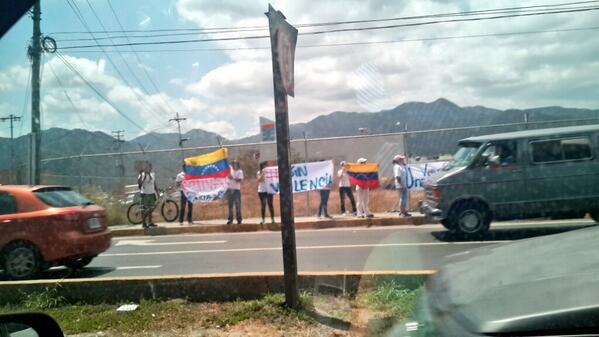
[283, 38]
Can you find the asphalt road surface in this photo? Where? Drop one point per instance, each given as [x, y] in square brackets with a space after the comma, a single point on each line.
[410, 248]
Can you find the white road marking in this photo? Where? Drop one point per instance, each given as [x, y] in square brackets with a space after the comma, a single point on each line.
[138, 267]
[375, 245]
[154, 243]
[581, 222]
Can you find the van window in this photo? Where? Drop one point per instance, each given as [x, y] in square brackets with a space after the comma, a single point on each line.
[8, 204]
[501, 154]
[561, 149]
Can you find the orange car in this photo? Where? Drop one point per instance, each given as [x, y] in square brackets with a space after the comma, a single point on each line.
[45, 226]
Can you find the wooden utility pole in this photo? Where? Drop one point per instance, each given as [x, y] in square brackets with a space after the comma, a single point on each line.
[283, 38]
[119, 140]
[35, 51]
[11, 118]
[181, 140]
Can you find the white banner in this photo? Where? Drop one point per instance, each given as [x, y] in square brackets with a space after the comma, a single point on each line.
[204, 190]
[417, 173]
[304, 177]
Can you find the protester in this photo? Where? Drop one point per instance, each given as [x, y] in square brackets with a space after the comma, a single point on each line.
[234, 192]
[325, 192]
[345, 189]
[146, 181]
[184, 201]
[363, 210]
[264, 195]
[400, 173]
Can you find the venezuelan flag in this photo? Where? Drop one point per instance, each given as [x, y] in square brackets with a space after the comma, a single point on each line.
[363, 175]
[209, 165]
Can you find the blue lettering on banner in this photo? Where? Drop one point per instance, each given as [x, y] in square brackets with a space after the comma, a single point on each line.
[299, 171]
[303, 185]
[275, 187]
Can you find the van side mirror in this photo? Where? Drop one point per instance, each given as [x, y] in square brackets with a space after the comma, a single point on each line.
[29, 325]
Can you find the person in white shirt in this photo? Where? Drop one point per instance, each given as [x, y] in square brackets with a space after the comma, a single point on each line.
[265, 197]
[400, 173]
[184, 201]
[234, 192]
[345, 189]
[363, 210]
[146, 181]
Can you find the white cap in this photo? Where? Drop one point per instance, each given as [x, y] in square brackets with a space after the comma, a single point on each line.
[362, 160]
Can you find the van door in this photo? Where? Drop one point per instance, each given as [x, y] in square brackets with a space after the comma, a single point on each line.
[499, 179]
[561, 177]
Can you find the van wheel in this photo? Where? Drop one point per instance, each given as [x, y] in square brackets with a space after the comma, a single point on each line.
[21, 261]
[78, 263]
[595, 215]
[471, 219]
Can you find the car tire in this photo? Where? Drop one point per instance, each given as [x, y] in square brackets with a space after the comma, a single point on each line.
[169, 210]
[21, 261]
[78, 263]
[135, 213]
[470, 219]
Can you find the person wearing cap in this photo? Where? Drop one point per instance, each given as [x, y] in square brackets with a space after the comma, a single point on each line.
[400, 173]
[345, 189]
[234, 192]
[363, 210]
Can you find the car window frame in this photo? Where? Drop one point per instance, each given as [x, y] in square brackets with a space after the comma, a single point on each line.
[16, 204]
[560, 139]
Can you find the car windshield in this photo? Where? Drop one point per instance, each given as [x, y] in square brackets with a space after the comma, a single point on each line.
[61, 197]
[463, 156]
[270, 168]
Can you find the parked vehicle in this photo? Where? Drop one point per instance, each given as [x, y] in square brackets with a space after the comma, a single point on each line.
[546, 286]
[45, 226]
[517, 175]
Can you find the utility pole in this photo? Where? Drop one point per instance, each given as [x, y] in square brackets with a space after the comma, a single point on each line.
[11, 118]
[179, 119]
[283, 38]
[35, 51]
[119, 140]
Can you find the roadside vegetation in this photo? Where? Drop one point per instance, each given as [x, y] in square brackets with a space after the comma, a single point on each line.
[369, 313]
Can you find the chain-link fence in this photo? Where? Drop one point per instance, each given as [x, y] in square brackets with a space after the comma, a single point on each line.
[110, 173]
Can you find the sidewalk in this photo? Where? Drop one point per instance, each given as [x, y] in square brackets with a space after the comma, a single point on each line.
[253, 225]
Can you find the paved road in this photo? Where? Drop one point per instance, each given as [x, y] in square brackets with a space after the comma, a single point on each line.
[347, 249]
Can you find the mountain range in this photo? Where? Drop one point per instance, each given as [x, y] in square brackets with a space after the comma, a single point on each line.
[415, 116]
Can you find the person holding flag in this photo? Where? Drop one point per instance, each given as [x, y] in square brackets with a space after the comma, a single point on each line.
[364, 176]
[184, 201]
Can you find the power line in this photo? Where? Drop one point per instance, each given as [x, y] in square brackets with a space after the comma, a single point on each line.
[157, 90]
[91, 86]
[143, 88]
[340, 44]
[333, 30]
[151, 36]
[67, 96]
[81, 18]
[214, 30]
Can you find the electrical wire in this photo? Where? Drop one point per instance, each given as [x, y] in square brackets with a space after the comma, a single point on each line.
[331, 30]
[94, 89]
[214, 30]
[81, 18]
[157, 90]
[77, 111]
[357, 43]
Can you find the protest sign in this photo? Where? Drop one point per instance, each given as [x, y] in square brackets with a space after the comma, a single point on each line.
[305, 177]
[206, 176]
[417, 173]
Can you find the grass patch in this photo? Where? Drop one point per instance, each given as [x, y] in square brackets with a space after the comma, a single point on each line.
[174, 315]
[393, 298]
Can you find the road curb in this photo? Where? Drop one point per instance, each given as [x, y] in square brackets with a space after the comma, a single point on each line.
[252, 227]
[203, 287]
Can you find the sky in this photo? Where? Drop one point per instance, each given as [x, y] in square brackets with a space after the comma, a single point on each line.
[221, 87]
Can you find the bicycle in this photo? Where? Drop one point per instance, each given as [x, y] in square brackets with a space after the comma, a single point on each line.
[169, 208]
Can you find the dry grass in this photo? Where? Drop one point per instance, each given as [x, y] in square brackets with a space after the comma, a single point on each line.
[381, 200]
